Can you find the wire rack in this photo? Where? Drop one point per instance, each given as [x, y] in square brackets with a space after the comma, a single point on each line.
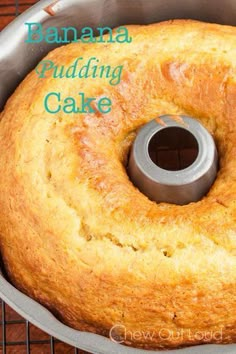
[12, 8]
[17, 335]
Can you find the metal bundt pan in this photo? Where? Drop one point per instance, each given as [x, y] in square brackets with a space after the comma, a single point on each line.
[18, 58]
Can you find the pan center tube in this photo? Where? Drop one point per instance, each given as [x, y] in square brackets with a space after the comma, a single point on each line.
[174, 160]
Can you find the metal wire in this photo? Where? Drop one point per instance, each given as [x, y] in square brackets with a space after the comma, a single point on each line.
[16, 7]
[9, 343]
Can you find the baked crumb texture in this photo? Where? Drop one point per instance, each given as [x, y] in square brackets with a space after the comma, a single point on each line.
[78, 237]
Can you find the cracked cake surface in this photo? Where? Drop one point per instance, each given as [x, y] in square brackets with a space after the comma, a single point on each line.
[75, 233]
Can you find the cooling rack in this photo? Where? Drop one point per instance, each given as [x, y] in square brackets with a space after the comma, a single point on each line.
[19, 336]
[12, 8]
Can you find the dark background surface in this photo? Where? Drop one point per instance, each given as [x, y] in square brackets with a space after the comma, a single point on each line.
[11, 8]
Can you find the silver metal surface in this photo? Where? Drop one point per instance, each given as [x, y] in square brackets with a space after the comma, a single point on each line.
[17, 59]
[179, 186]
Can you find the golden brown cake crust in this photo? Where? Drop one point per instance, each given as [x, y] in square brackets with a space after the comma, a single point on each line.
[78, 237]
